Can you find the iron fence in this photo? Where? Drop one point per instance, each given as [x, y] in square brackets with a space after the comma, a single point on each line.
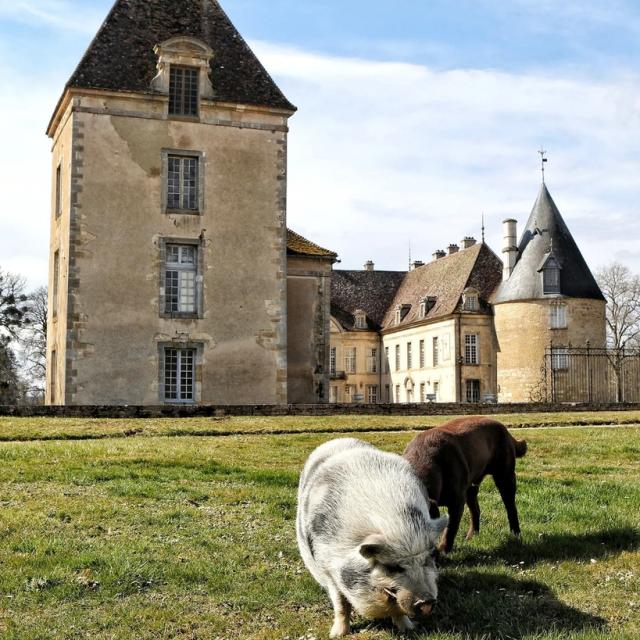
[583, 374]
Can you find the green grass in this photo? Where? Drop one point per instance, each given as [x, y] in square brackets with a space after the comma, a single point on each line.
[156, 536]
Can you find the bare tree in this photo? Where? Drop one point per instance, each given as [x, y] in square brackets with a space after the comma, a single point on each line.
[621, 288]
[33, 339]
[13, 304]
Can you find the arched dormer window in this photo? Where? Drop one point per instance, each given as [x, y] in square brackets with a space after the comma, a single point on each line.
[551, 276]
[183, 74]
[360, 319]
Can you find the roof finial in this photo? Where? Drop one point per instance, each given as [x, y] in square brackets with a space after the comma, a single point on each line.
[542, 153]
[483, 227]
[409, 255]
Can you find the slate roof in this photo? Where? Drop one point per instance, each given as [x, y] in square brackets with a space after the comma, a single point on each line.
[546, 231]
[121, 56]
[445, 280]
[369, 291]
[297, 245]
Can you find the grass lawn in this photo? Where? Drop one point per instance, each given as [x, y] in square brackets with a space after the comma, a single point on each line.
[158, 536]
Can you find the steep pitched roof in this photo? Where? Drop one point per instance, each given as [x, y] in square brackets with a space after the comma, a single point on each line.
[369, 291]
[121, 56]
[547, 234]
[297, 245]
[445, 280]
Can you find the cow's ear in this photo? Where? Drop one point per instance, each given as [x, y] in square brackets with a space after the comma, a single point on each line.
[373, 546]
[438, 525]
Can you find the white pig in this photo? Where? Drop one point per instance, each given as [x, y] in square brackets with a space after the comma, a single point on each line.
[365, 533]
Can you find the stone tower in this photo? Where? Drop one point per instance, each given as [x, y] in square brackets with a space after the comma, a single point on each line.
[168, 228]
[548, 297]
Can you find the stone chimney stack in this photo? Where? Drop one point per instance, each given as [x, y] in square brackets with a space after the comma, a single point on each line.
[509, 246]
[439, 254]
[416, 263]
[368, 265]
[453, 248]
[468, 242]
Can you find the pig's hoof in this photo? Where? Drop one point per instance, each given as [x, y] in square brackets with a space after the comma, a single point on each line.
[340, 628]
[403, 624]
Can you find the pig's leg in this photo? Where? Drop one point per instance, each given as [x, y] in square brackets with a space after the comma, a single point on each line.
[403, 624]
[456, 507]
[341, 613]
[506, 484]
[474, 509]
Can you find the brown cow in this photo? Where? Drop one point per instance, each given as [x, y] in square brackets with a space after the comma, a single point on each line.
[452, 460]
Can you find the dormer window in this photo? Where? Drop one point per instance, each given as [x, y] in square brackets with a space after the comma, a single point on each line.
[360, 319]
[426, 305]
[401, 311]
[184, 65]
[183, 91]
[470, 300]
[551, 276]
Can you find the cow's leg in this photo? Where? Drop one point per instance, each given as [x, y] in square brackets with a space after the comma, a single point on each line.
[474, 509]
[506, 484]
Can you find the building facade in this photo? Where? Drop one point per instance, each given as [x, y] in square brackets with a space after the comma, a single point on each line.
[170, 256]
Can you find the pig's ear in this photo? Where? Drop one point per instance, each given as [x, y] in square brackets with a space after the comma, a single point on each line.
[438, 525]
[373, 546]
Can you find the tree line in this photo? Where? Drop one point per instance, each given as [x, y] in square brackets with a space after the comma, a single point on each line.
[23, 329]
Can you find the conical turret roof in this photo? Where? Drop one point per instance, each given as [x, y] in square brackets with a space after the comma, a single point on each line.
[547, 236]
[121, 56]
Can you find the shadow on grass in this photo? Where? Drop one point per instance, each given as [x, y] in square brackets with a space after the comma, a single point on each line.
[484, 606]
[553, 547]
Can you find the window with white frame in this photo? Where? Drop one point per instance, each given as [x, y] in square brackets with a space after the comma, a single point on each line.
[436, 354]
[183, 183]
[332, 361]
[421, 354]
[397, 398]
[409, 355]
[372, 360]
[360, 320]
[397, 357]
[471, 301]
[183, 91]
[181, 271]
[559, 358]
[333, 394]
[350, 359]
[558, 316]
[349, 392]
[422, 392]
[386, 359]
[436, 389]
[179, 375]
[372, 394]
[471, 352]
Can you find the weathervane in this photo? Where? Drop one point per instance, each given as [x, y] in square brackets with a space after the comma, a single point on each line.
[542, 153]
[483, 227]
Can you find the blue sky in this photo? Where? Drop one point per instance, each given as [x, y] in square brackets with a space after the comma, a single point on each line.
[415, 118]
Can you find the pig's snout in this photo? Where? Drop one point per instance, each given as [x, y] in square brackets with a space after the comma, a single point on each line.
[423, 608]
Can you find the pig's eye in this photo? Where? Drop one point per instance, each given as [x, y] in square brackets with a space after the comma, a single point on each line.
[393, 568]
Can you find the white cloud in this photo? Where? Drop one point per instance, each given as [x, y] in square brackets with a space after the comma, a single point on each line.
[384, 153]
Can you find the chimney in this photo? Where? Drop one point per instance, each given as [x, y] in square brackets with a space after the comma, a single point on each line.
[468, 242]
[416, 263]
[453, 248]
[509, 246]
[439, 254]
[368, 265]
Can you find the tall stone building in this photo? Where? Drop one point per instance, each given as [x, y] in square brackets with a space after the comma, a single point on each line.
[465, 327]
[170, 259]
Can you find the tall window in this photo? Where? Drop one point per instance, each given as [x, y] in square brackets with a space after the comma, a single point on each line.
[473, 390]
[471, 302]
[333, 394]
[349, 392]
[422, 392]
[471, 349]
[558, 316]
[436, 354]
[372, 361]
[183, 91]
[436, 389]
[54, 375]
[409, 356]
[360, 320]
[350, 359]
[397, 357]
[372, 394]
[387, 393]
[183, 183]
[181, 268]
[58, 194]
[397, 398]
[179, 375]
[421, 349]
[551, 276]
[332, 361]
[56, 283]
[386, 359]
[409, 395]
